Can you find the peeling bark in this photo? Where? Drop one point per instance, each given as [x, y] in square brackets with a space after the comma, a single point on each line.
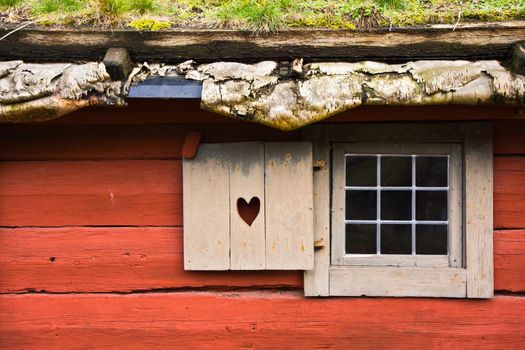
[37, 92]
[259, 92]
[256, 92]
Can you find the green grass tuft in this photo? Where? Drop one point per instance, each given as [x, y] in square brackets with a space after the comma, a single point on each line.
[9, 3]
[143, 6]
[257, 16]
[112, 9]
[392, 4]
[50, 6]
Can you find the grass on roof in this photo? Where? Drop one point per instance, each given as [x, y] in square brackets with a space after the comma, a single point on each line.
[257, 15]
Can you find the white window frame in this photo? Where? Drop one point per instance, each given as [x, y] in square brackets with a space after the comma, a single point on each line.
[469, 269]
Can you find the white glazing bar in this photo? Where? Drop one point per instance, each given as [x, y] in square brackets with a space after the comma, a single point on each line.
[378, 191]
[413, 205]
[405, 222]
[388, 188]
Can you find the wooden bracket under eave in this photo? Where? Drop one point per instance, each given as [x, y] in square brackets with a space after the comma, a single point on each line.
[118, 63]
[191, 144]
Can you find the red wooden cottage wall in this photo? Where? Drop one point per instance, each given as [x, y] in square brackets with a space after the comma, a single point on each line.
[91, 246]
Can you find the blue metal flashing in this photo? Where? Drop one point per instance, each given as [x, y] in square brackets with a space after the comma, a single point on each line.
[167, 87]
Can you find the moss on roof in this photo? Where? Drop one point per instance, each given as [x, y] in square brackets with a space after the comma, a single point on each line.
[257, 15]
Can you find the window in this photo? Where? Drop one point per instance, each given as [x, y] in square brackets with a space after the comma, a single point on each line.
[403, 210]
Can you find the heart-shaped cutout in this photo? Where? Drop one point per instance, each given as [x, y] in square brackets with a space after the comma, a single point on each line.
[248, 211]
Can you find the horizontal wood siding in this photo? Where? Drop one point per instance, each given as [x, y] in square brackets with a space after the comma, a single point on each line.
[509, 260]
[112, 259]
[105, 259]
[149, 193]
[509, 192]
[91, 246]
[258, 320]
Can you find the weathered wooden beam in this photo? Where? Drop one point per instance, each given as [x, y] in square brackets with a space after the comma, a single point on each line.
[118, 63]
[518, 58]
[487, 41]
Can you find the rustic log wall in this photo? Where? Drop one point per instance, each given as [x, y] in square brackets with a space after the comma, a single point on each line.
[91, 245]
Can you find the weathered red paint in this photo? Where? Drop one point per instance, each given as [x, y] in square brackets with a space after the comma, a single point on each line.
[104, 167]
[268, 320]
[113, 259]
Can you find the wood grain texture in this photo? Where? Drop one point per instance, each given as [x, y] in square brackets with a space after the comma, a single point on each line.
[80, 259]
[443, 282]
[257, 320]
[289, 206]
[99, 142]
[127, 259]
[247, 242]
[206, 207]
[509, 191]
[317, 280]
[478, 201]
[401, 44]
[135, 192]
[509, 260]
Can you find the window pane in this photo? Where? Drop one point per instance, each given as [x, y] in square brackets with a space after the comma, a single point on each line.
[431, 205]
[361, 171]
[431, 239]
[431, 171]
[396, 205]
[396, 171]
[396, 239]
[361, 205]
[360, 239]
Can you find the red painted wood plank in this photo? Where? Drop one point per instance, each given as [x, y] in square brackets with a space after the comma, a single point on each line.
[96, 142]
[258, 320]
[509, 137]
[189, 112]
[149, 192]
[509, 192]
[80, 259]
[509, 260]
[422, 113]
[84, 259]
[91, 193]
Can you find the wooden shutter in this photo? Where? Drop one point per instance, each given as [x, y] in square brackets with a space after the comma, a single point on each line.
[273, 180]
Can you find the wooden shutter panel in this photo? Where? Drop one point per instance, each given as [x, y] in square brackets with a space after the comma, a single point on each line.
[206, 209]
[274, 180]
[289, 206]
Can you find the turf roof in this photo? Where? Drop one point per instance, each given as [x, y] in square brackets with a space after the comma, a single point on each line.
[256, 15]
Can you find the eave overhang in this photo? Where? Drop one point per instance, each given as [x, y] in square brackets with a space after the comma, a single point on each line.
[285, 93]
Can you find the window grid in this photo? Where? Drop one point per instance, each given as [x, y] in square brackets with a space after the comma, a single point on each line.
[378, 188]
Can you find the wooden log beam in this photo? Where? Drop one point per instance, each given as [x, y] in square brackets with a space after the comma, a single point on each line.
[478, 41]
[518, 58]
[38, 92]
[118, 63]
